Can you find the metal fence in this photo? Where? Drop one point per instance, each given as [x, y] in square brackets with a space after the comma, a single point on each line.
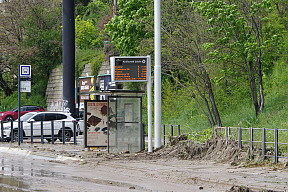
[172, 133]
[166, 134]
[272, 142]
[19, 135]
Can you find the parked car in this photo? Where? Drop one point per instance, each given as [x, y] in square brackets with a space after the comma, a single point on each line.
[38, 117]
[13, 114]
[80, 123]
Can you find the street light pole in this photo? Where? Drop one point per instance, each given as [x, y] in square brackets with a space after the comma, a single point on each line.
[68, 8]
[157, 72]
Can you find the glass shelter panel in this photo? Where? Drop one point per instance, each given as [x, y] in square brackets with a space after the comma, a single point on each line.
[125, 124]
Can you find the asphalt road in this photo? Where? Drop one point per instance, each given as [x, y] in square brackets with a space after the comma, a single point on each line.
[46, 167]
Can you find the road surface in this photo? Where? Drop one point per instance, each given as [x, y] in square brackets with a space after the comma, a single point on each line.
[71, 168]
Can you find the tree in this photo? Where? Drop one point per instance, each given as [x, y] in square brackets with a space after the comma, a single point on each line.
[89, 25]
[183, 59]
[183, 33]
[35, 39]
[11, 35]
[43, 34]
[239, 28]
[85, 33]
[126, 29]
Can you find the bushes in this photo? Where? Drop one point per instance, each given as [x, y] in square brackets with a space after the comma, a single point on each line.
[85, 56]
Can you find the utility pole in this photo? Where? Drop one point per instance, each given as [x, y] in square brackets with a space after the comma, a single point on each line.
[157, 73]
[68, 8]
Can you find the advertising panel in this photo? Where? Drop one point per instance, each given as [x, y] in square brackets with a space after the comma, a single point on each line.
[96, 131]
[105, 84]
[87, 84]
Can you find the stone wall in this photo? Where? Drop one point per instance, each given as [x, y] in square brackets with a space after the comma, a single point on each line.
[54, 91]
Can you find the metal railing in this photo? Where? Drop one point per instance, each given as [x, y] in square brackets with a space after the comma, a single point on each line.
[171, 132]
[166, 136]
[269, 143]
[21, 134]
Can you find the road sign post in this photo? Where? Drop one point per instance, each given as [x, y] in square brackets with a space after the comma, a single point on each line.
[24, 85]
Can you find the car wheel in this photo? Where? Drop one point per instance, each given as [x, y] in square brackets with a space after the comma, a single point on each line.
[15, 135]
[9, 118]
[49, 140]
[68, 135]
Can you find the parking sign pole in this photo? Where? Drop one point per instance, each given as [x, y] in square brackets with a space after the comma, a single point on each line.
[19, 103]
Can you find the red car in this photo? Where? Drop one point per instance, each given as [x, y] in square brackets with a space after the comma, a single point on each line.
[13, 114]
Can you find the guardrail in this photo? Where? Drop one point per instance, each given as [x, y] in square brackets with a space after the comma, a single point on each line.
[18, 135]
[269, 143]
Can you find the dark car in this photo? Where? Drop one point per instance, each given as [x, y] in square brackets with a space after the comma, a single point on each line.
[13, 114]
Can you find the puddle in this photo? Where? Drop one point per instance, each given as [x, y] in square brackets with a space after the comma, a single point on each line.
[8, 184]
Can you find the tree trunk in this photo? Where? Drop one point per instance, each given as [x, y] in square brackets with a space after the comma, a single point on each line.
[213, 104]
[203, 111]
[212, 122]
[260, 86]
[253, 88]
[281, 15]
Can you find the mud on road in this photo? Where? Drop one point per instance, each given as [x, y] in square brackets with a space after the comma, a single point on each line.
[181, 166]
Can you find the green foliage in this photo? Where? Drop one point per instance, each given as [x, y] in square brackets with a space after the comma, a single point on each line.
[178, 107]
[276, 109]
[36, 97]
[89, 25]
[126, 29]
[200, 136]
[85, 56]
[44, 37]
[94, 11]
[85, 33]
[32, 98]
[97, 62]
[233, 28]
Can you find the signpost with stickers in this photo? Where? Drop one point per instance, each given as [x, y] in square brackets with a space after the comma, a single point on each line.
[24, 85]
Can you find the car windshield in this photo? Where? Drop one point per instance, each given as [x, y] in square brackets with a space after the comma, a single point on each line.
[15, 109]
[26, 116]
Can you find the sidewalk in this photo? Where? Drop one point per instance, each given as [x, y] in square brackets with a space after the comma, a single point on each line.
[57, 152]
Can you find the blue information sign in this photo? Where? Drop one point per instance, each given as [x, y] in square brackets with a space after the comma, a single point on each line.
[25, 71]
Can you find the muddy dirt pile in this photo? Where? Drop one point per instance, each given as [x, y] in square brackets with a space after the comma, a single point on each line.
[216, 149]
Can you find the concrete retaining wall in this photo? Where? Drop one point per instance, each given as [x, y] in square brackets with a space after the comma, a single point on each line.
[54, 91]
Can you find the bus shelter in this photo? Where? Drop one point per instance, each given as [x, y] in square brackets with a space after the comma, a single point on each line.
[125, 128]
[115, 123]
